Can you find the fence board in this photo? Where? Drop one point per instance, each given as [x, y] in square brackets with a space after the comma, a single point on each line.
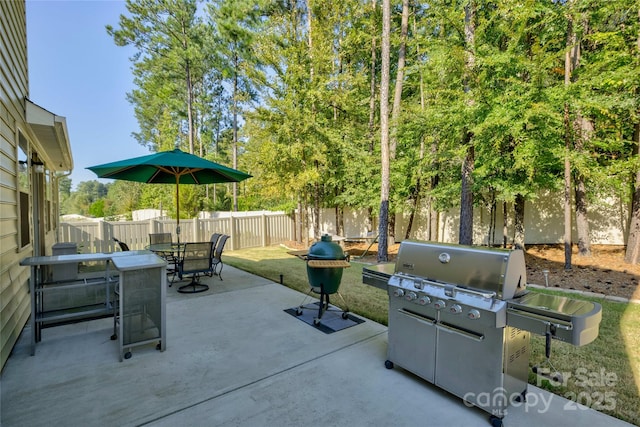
[246, 231]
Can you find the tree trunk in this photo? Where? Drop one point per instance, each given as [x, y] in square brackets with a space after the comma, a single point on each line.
[299, 223]
[567, 196]
[493, 214]
[339, 221]
[316, 209]
[505, 225]
[434, 217]
[568, 70]
[415, 198]
[383, 227]
[190, 108]
[372, 84]
[632, 255]
[583, 131]
[397, 95]
[518, 226]
[466, 190]
[582, 221]
[417, 189]
[369, 220]
[466, 198]
[235, 130]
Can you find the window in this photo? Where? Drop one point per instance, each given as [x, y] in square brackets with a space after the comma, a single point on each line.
[24, 189]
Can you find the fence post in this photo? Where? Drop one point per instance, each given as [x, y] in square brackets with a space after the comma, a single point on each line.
[101, 237]
[264, 230]
[196, 230]
[232, 231]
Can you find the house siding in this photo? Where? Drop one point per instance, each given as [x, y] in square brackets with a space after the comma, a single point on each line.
[14, 288]
[15, 300]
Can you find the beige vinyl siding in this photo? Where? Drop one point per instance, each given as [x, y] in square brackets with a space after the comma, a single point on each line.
[14, 288]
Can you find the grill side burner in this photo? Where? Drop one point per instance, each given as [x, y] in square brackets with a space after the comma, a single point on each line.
[460, 317]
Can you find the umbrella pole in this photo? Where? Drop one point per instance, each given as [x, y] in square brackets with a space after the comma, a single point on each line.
[178, 207]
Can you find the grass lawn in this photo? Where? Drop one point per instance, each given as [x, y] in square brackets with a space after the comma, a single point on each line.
[604, 375]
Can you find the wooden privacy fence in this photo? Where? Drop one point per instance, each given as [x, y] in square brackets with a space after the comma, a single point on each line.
[245, 231]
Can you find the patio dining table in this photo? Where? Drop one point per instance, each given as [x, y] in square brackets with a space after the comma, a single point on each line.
[165, 247]
[170, 252]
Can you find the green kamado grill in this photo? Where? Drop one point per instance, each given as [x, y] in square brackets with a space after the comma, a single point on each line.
[325, 262]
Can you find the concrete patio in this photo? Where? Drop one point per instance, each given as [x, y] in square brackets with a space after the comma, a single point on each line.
[235, 358]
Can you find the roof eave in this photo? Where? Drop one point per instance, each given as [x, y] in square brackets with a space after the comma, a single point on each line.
[52, 136]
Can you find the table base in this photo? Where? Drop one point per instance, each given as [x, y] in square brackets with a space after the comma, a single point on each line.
[193, 288]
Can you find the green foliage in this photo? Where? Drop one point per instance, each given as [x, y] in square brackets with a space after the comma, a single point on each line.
[80, 201]
[97, 209]
[294, 80]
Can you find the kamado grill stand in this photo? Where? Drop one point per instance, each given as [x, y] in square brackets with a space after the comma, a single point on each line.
[325, 262]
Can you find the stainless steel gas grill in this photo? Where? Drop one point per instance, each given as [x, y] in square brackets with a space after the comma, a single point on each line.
[460, 317]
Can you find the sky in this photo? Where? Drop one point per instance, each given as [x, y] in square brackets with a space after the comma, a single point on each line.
[77, 71]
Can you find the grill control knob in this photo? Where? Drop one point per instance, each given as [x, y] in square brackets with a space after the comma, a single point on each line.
[473, 314]
[410, 296]
[439, 304]
[424, 300]
[455, 309]
[398, 293]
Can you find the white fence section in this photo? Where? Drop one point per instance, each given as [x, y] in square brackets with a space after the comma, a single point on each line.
[608, 222]
[543, 222]
[245, 231]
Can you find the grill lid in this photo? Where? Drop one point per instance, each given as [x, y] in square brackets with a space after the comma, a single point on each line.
[498, 271]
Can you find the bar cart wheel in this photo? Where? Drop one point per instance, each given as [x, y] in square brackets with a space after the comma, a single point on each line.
[114, 337]
[388, 364]
[345, 315]
[127, 355]
[316, 321]
[299, 311]
[158, 346]
[495, 421]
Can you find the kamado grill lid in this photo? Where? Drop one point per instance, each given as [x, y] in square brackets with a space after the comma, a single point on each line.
[325, 249]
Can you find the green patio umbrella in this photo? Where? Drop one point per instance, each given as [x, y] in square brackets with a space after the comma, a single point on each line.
[169, 167]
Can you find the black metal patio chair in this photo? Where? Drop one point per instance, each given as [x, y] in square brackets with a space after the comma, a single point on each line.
[195, 260]
[216, 256]
[123, 246]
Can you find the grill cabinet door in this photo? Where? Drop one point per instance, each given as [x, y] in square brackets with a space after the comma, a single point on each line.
[412, 340]
[469, 365]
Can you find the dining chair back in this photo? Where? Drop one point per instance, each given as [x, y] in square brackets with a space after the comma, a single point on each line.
[195, 260]
[216, 259]
[156, 238]
[214, 239]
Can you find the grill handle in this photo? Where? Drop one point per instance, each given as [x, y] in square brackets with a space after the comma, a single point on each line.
[487, 295]
[451, 290]
[463, 333]
[549, 322]
[419, 318]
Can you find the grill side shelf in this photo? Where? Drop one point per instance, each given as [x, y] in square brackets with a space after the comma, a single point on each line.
[575, 327]
[325, 263]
